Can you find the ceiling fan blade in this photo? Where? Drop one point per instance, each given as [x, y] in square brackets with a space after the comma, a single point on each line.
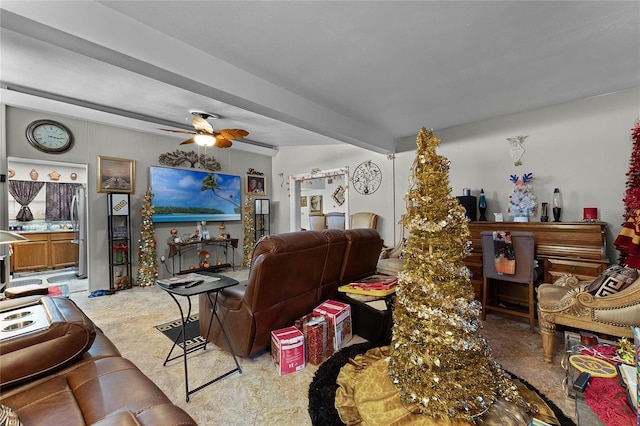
[184, 132]
[222, 142]
[232, 133]
[188, 141]
[202, 125]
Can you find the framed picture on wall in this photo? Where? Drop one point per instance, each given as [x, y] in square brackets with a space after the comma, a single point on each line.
[116, 175]
[303, 201]
[256, 184]
[316, 204]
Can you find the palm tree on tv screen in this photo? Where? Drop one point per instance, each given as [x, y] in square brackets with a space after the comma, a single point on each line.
[210, 182]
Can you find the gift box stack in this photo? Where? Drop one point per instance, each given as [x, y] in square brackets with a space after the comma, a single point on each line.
[338, 315]
[287, 350]
[318, 336]
[314, 338]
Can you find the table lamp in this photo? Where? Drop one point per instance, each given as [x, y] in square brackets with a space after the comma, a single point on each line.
[7, 237]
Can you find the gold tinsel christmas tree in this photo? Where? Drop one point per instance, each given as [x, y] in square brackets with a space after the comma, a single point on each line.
[439, 360]
[147, 270]
[249, 232]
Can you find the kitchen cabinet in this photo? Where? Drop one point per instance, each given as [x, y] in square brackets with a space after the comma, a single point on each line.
[44, 250]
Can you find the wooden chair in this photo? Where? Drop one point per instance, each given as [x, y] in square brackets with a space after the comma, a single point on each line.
[526, 275]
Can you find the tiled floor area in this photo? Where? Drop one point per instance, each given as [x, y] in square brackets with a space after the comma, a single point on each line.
[259, 396]
[51, 278]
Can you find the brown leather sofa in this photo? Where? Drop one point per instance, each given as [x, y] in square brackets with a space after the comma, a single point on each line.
[71, 374]
[290, 274]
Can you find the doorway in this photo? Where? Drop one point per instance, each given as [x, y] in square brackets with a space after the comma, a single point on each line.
[324, 191]
[40, 206]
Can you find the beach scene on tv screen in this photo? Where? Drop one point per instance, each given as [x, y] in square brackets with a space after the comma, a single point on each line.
[193, 195]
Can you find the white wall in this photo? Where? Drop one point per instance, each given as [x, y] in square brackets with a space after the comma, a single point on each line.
[91, 140]
[581, 147]
[292, 161]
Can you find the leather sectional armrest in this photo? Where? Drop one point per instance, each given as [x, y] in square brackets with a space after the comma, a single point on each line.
[69, 335]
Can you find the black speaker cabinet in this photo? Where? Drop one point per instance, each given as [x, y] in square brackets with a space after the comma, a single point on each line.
[470, 204]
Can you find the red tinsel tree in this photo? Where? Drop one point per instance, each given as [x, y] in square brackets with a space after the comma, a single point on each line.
[632, 194]
[628, 240]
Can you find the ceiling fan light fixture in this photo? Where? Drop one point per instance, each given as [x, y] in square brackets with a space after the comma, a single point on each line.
[205, 115]
[204, 140]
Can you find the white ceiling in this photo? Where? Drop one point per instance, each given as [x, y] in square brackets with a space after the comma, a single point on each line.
[318, 72]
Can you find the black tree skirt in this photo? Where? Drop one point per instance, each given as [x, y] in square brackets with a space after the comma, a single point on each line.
[322, 391]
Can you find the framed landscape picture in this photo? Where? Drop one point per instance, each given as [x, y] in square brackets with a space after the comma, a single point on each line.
[116, 175]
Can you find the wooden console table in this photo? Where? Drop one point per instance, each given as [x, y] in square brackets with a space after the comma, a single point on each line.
[178, 249]
[577, 248]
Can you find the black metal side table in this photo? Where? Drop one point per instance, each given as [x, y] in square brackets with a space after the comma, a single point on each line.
[209, 288]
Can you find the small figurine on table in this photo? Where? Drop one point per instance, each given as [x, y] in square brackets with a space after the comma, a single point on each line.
[204, 258]
[204, 232]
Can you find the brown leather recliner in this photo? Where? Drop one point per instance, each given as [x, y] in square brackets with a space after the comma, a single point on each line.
[361, 254]
[290, 274]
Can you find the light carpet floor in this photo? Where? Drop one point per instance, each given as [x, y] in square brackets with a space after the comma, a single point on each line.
[259, 396]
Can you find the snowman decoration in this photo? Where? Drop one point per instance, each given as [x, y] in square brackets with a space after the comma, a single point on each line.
[516, 150]
[522, 202]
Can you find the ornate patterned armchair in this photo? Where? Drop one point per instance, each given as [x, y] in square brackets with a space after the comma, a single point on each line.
[568, 302]
[391, 261]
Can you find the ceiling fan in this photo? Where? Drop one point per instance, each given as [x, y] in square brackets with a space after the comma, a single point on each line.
[205, 135]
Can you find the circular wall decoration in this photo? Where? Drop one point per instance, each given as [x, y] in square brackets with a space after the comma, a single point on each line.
[49, 136]
[367, 178]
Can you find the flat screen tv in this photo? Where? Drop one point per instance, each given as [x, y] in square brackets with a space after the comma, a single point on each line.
[194, 195]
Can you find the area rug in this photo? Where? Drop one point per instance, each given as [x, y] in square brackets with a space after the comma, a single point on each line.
[192, 329]
[27, 281]
[62, 278]
[608, 400]
[323, 388]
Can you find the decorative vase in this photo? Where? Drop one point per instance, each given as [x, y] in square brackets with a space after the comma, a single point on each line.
[521, 219]
[544, 214]
[482, 206]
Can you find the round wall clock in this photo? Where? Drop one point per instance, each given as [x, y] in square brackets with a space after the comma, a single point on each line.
[49, 136]
[367, 178]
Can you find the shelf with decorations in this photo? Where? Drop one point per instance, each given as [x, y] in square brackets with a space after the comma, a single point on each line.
[262, 217]
[119, 228]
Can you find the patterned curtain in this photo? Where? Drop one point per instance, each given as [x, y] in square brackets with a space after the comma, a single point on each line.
[24, 192]
[59, 196]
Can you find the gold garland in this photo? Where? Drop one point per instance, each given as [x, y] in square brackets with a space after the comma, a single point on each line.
[249, 232]
[439, 360]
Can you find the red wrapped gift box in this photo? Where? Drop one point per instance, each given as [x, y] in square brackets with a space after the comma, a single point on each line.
[318, 335]
[338, 315]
